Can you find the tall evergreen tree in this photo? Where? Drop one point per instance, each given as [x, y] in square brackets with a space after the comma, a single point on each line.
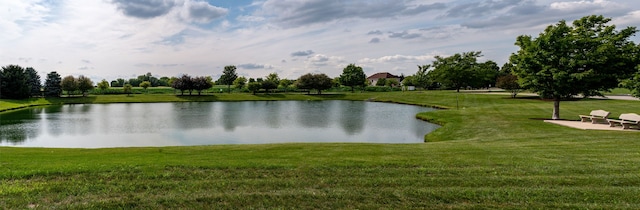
[14, 82]
[52, 85]
[33, 82]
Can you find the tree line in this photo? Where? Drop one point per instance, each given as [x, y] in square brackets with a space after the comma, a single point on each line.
[565, 60]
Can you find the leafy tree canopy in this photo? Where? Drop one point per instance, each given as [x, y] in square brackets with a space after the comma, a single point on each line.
[84, 84]
[69, 84]
[317, 82]
[353, 76]
[566, 60]
[456, 71]
[228, 76]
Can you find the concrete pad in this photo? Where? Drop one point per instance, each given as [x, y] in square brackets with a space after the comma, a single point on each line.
[588, 125]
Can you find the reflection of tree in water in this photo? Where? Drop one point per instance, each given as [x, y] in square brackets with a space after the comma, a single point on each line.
[191, 115]
[52, 113]
[352, 117]
[18, 126]
[231, 115]
[75, 120]
[272, 113]
[314, 114]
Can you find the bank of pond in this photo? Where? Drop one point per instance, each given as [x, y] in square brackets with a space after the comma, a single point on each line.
[211, 123]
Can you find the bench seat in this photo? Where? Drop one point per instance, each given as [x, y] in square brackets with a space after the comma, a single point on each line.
[626, 121]
[595, 116]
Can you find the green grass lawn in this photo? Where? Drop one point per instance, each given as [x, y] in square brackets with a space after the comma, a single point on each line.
[492, 152]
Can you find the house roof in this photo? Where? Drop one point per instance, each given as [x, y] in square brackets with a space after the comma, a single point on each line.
[382, 75]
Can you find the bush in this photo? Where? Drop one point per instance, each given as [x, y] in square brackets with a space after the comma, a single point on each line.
[381, 89]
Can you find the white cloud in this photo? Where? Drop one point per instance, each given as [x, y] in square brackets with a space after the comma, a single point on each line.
[398, 58]
[630, 19]
[583, 5]
[203, 12]
[171, 37]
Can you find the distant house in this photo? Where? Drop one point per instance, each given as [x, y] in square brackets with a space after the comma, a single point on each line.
[373, 79]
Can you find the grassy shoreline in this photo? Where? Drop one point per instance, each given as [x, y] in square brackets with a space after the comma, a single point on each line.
[492, 152]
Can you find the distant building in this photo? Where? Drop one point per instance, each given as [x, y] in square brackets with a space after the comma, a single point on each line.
[373, 79]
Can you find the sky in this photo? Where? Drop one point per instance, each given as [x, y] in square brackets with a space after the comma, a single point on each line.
[109, 39]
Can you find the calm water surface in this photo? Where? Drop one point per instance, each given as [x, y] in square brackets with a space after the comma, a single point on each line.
[206, 123]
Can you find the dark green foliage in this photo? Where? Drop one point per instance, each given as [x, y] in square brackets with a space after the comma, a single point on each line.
[353, 76]
[422, 78]
[381, 82]
[33, 82]
[14, 82]
[456, 71]
[53, 85]
[269, 85]
[69, 84]
[381, 89]
[118, 82]
[254, 87]
[585, 58]
[633, 83]
[486, 75]
[317, 82]
[228, 76]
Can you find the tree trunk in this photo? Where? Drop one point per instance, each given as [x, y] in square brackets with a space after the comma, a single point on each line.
[556, 109]
[228, 88]
[352, 89]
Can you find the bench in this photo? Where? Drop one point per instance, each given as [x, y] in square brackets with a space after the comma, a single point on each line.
[626, 120]
[595, 116]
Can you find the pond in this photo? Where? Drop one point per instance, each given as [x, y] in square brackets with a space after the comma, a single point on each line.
[209, 123]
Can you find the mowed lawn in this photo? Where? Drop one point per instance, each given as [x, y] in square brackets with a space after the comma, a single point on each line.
[492, 152]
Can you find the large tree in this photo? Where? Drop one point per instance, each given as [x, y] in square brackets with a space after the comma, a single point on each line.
[422, 78]
[585, 58]
[353, 76]
[228, 76]
[52, 85]
[456, 71]
[183, 83]
[240, 82]
[84, 84]
[268, 85]
[33, 81]
[254, 87]
[69, 84]
[486, 75]
[273, 77]
[14, 82]
[103, 85]
[201, 83]
[317, 82]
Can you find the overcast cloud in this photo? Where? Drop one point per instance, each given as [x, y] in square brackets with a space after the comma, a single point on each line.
[108, 39]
